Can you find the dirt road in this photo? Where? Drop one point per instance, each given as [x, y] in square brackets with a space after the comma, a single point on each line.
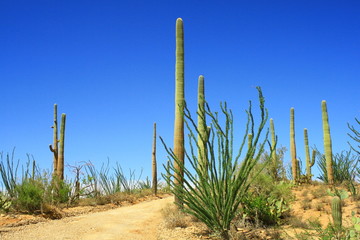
[137, 222]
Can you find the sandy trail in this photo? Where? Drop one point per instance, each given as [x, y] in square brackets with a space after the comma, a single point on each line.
[137, 222]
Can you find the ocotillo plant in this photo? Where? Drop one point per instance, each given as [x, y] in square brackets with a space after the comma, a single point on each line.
[154, 166]
[336, 211]
[54, 146]
[60, 166]
[327, 143]
[216, 202]
[294, 162]
[250, 139]
[309, 162]
[202, 129]
[179, 106]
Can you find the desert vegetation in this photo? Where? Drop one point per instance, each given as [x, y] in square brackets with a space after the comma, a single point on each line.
[219, 179]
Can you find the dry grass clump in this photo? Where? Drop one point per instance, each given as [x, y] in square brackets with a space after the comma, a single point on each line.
[297, 222]
[305, 193]
[174, 218]
[306, 204]
[319, 192]
[319, 206]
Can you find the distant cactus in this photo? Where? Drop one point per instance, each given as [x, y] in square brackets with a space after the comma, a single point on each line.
[57, 148]
[179, 108]
[202, 135]
[327, 143]
[336, 211]
[294, 161]
[273, 141]
[54, 146]
[309, 162]
[154, 166]
[60, 166]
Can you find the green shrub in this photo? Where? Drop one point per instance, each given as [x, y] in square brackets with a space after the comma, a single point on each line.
[257, 210]
[29, 196]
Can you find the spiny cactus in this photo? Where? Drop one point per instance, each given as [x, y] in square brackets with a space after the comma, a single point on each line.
[202, 135]
[179, 107]
[327, 143]
[309, 162]
[154, 166]
[54, 146]
[273, 141]
[58, 146]
[60, 166]
[294, 161]
[336, 211]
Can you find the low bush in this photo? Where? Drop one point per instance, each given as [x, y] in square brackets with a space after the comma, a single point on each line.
[29, 196]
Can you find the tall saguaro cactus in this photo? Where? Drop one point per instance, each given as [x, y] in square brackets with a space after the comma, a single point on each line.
[294, 163]
[57, 148]
[309, 162]
[61, 148]
[154, 165]
[179, 107]
[202, 135]
[327, 143]
[54, 146]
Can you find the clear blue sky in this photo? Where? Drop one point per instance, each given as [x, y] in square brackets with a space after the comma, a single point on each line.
[109, 65]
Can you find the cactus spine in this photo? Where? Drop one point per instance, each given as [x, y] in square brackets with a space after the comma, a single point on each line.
[294, 161]
[202, 129]
[54, 146]
[309, 162]
[336, 211]
[61, 148]
[154, 167]
[179, 107]
[327, 143]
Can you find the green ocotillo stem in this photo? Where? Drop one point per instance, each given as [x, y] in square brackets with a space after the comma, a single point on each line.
[154, 166]
[61, 148]
[336, 211]
[179, 107]
[54, 146]
[202, 128]
[327, 143]
[294, 162]
[309, 162]
[273, 141]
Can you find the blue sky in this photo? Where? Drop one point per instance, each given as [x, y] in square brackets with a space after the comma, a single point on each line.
[109, 65]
